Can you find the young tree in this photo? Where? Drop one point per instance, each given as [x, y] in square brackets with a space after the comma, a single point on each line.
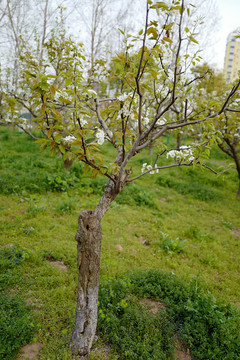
[138, 115]
[209, 94]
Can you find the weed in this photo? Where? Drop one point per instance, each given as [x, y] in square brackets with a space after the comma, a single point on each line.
[66, 205]
[194, 232]
[134, 332]
[59, 182]
[228, 225]
[13, 255]
[16, 325]
[195, 190]
[208, 326]
[34, 209]
[169, 245]
[135, 194]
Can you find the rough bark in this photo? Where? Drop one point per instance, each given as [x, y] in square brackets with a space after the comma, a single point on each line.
[238, 193]
[88, 254]
[89, 238]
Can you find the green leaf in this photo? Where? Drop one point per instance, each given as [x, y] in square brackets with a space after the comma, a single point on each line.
[152, 31]
[63, 100]
[193, 39]
[68, 82]
[62, 148]
[167, 39]
[160, 5]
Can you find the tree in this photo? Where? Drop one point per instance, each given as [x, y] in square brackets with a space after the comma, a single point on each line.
[77, 122]
[209, 93]
[101, 19]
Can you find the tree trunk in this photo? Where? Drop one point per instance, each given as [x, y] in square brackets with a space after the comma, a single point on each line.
[89, 238]
[88, 254]
[150, 152]
[67, 164]
[179, 140]
[238, 193]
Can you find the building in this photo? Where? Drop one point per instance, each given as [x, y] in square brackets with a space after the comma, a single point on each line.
[232, 56]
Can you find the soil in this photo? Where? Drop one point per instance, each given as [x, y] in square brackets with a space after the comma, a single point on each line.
[30, 352]
[59, 264]
[152, 306]
[119, 247]
[236, 233]
[181, 352]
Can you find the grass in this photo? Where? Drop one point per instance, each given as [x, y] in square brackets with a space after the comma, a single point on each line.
[183, 221]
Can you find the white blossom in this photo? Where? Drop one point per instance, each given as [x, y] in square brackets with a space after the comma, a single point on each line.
[171, 75]
[157, 170]
[146, 121]
[149, 167]
[123, 97]
[125, 111]
[184, 154]
[100, 136]
[146, 167]
[83, 122]
[92, 92]
[162, 121]
[69, 139]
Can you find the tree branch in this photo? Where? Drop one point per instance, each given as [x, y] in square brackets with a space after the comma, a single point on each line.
[103, 124]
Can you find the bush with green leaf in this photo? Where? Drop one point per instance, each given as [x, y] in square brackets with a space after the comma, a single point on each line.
[195, 190]
[12, 255]
[135, 194]
[16, 325]
[169, 245]
[209, 327]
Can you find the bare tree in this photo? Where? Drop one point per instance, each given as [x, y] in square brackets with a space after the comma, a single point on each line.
[100, 20]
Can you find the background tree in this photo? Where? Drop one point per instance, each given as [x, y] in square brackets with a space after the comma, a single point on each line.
[101, 20]
[227, 126]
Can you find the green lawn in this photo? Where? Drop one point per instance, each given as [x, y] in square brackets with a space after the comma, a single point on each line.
[185, 221]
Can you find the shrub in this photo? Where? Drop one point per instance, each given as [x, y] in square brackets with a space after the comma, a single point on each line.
[135, 194]
[134, 332]
[169, 245]
[59, 182]
[10, 256]
[195, 190]
[66, 205]
[208, 326]
[16, 325]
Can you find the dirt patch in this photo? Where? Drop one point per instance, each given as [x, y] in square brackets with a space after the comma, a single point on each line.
[164, 200]
[146, 242]
[103, 351]
[119, 247]
[8, 246]
[30, 352]
[152, 306]
[181, 352]
[236, 233]
[58, 264]
[100, 352]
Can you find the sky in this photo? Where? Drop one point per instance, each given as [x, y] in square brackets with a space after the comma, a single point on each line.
[229, 13]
